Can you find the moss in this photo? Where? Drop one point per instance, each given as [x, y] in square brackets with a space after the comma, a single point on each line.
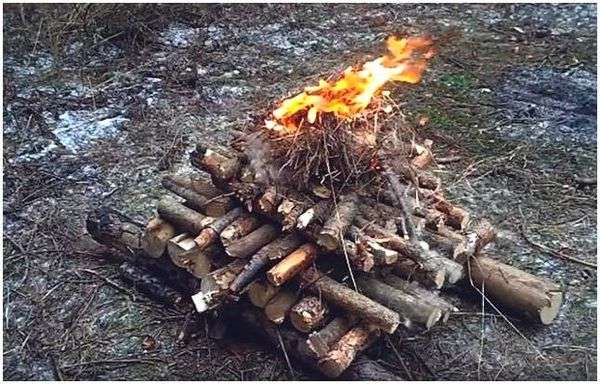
[458, 81]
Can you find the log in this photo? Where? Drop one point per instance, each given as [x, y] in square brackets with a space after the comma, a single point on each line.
[292, 264]
[260, 292]
[248, 192]
[427, 261]
[199, 262]
[536, 297]
[410, 270]
[156, 236]
[182, 187]
[290, 209]
[210, 234]
[275, 250]
[320, 342]
[151, 286]
[269, 201]
[381, 255]
[239, 228]
[220, 167]
[308, 314]
[483, 234]
[359, 256]
[411, 309]
[117, 231]
[214, 288]
[421, 293]
[424, 157]
[294, 344]
[218, 202]
[336, 226]
[252, 242]
[315, 214]
[280, 305]
[182, 217]
[344, 351]
[350, 300]
[177, 248]
[456, 217]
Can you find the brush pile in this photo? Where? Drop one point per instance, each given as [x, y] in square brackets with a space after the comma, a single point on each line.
[326, 222]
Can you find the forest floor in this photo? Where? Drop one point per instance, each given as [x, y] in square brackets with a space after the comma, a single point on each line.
[100, 101]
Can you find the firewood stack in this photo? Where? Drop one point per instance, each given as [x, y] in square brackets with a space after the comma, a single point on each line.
[332, 267]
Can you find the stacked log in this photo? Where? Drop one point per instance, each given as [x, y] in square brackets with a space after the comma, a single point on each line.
[396, 250]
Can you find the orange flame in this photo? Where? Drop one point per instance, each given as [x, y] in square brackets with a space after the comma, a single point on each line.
[353, 92]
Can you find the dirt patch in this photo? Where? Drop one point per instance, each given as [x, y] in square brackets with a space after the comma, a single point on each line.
[102, 100]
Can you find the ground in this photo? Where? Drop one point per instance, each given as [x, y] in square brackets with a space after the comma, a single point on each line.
[100, 101]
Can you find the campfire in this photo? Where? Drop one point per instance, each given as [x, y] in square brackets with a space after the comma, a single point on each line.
[323, 223]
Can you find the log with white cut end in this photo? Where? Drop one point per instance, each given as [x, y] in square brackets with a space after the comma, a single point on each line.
[483, 234]
[210, 234]
[348, 299]
[536, 297]
[338, 223]
[260, 292]
[182, 217]
[280, 305]
[292, 264]
[275, 250]
[315, 214]
[157, 234]
[410, 308]
[308, 314]
[221, 168]
[239, 228]
[252, 242]
[422, 294]
[320, 342]
[344, 351]
[178, 246]
[215, 286]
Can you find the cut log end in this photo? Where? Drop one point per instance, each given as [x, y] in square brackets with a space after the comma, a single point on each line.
[549, 313]
[308, 314]
[156, 236]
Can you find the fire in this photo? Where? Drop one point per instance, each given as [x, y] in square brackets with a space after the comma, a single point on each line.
[354, 91]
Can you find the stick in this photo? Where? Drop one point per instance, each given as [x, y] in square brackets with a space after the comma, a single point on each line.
[252, 242]
[292, 264]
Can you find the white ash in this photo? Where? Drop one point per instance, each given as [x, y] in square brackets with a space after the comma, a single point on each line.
[76, 130]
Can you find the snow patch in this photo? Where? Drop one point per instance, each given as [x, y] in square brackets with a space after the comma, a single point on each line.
[179, 36]
[76, 130]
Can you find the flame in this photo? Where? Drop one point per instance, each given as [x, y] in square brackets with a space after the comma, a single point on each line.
[352, 93]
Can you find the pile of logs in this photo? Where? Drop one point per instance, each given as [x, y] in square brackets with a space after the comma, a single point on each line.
[330, 272]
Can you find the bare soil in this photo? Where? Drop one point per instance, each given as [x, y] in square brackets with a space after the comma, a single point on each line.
[100, 101]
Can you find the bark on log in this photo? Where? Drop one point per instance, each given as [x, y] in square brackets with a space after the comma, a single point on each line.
[156, 237]
[344, 351]
[421, 293]
[280, 305]
[456, 217]
[210, 234]
[411, 309]
[350, 300]
[151, 286]
[252, 242]
[218, 202]
[308, 314]
[536, 297]
[336, 226]
[215, 286]
[292, 264]
[359, 256]
[294, 343]
[410, 270]
[320, 342]
[260, 292]
[381, 255]
[239, 228]
[187, 188]
[275, 250]
[483, 234]
[182, 217]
